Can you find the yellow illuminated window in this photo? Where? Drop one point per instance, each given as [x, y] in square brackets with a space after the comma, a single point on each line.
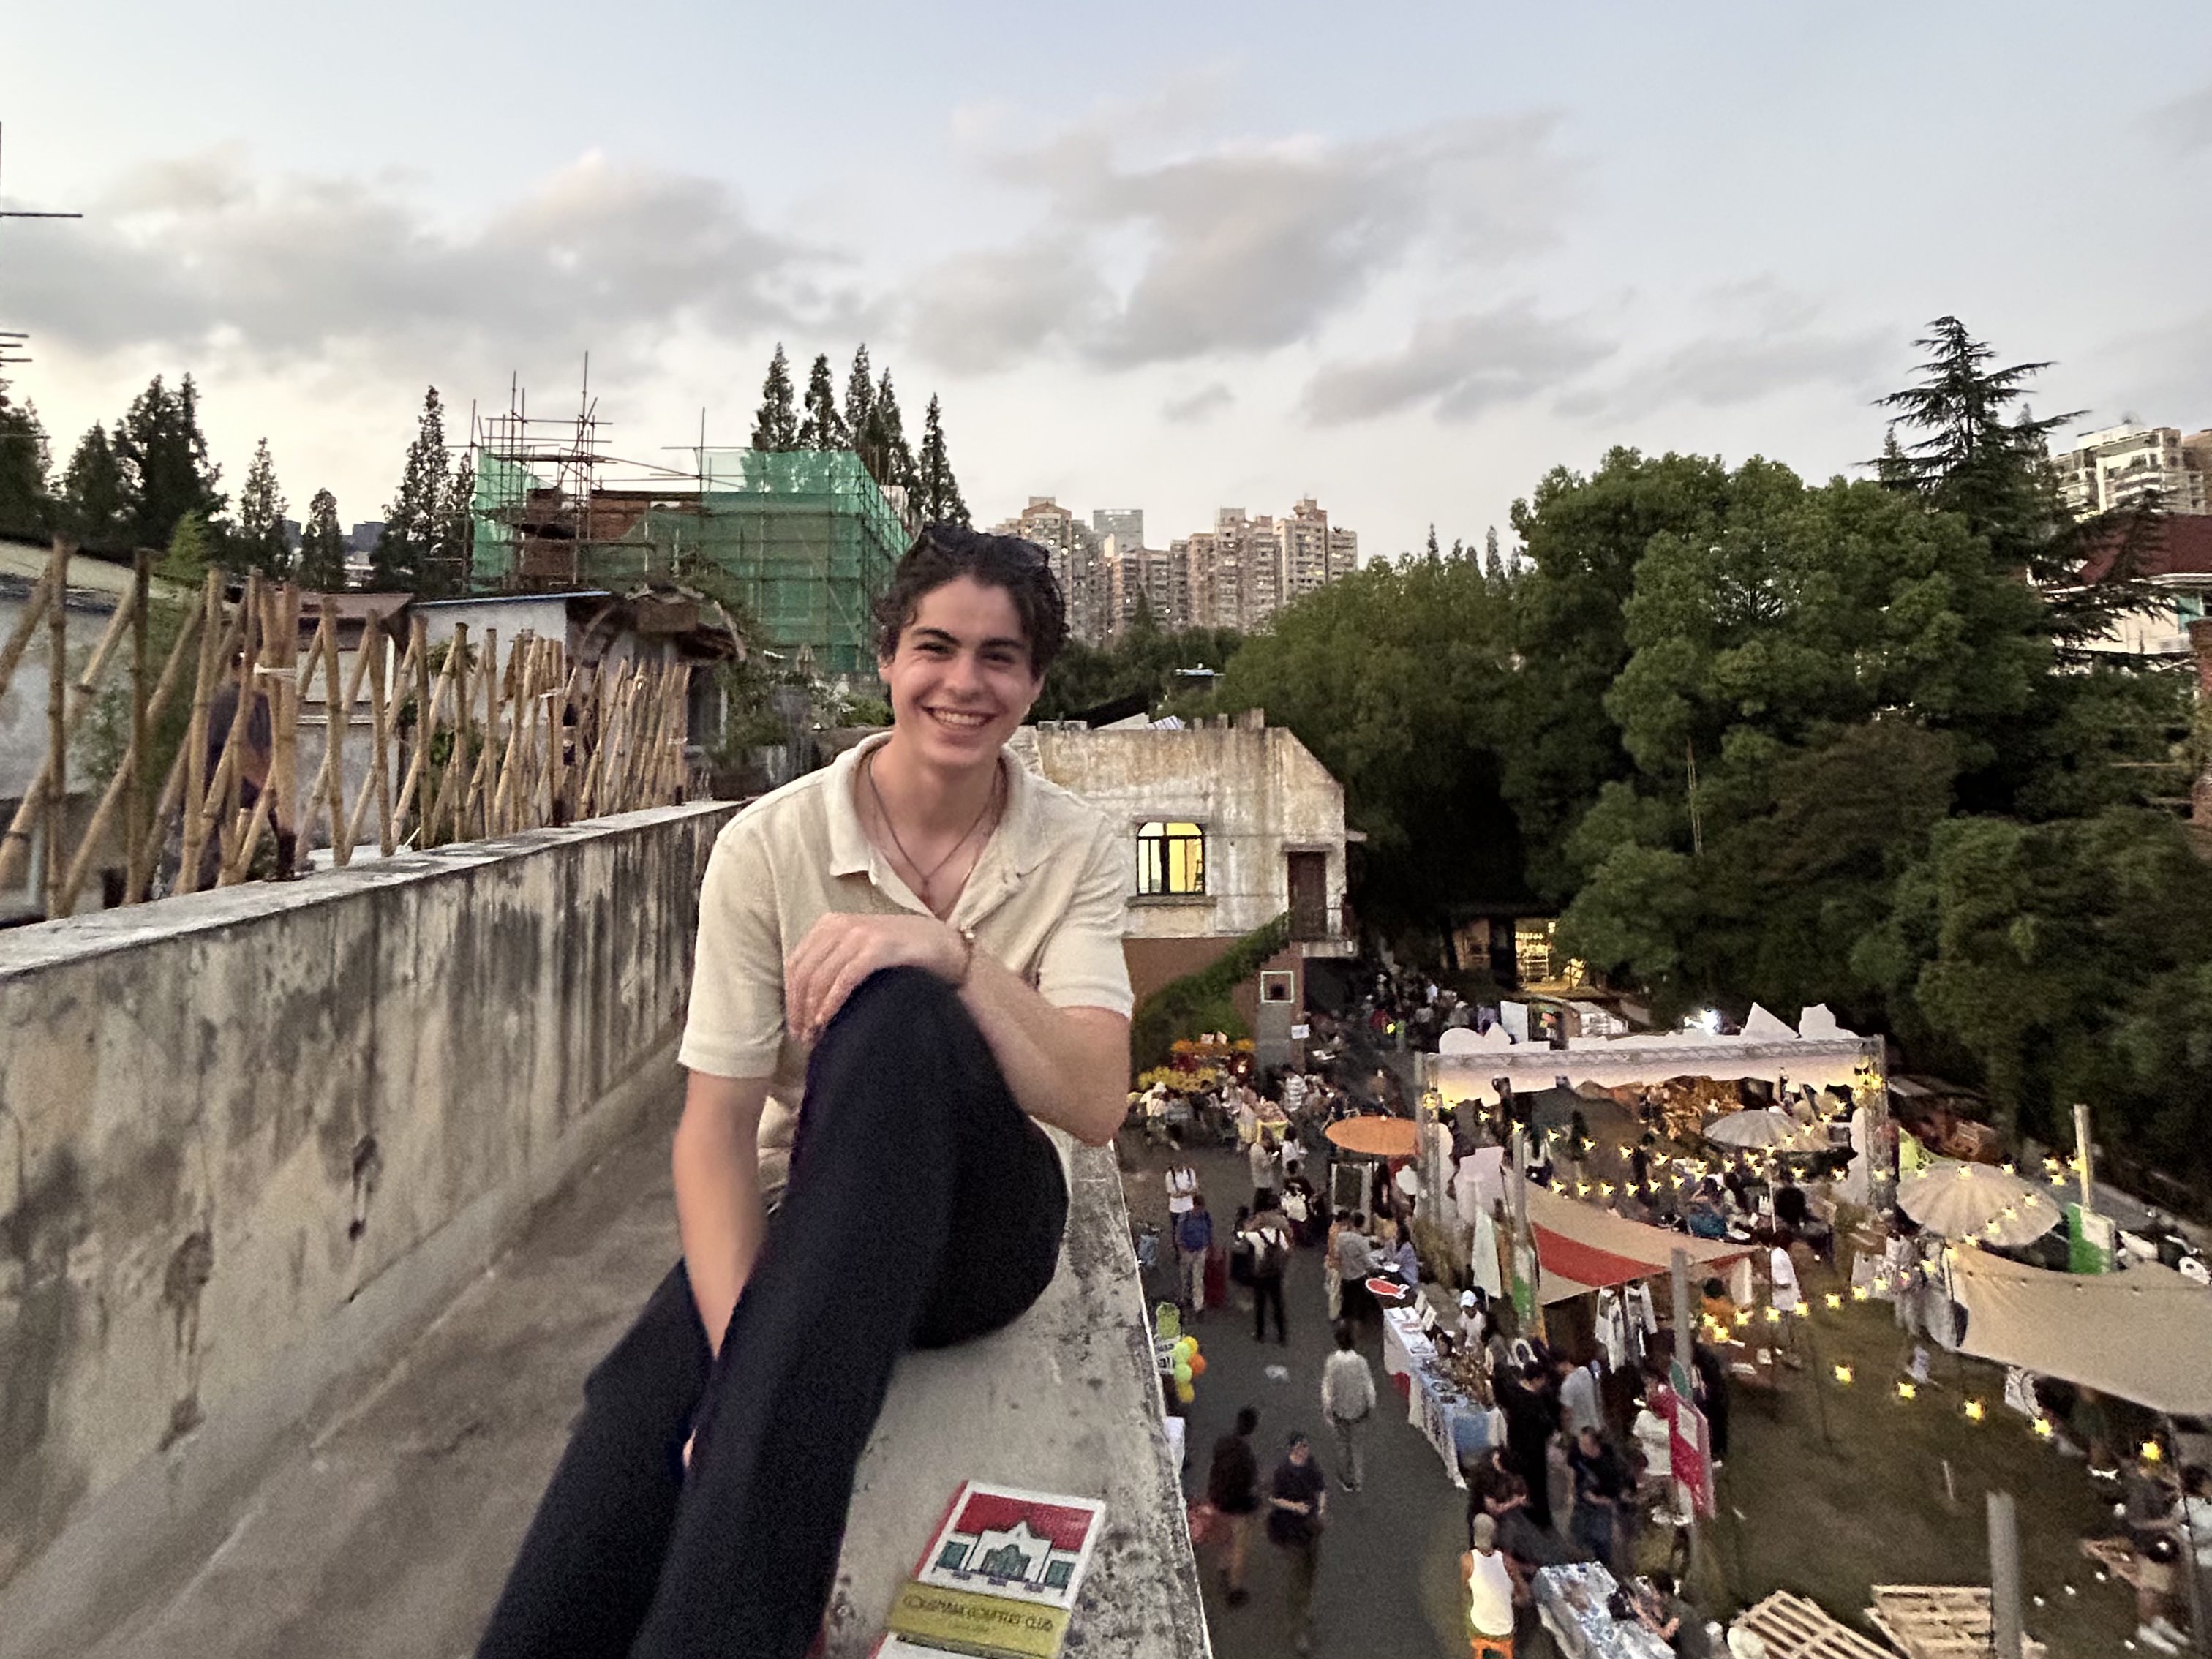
[1171, 858]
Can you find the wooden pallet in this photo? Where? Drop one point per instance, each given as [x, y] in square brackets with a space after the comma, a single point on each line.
[2118, 1557]
[1791, 1627]
[1939, 1621]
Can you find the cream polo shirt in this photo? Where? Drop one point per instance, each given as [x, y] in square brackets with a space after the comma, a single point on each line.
[1045, 899]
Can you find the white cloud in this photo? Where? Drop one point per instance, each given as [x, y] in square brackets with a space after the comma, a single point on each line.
[1237, 250]
[201, 253]
[1460, 366]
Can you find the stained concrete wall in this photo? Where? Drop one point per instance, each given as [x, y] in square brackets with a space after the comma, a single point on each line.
[252, 1140]
[1257, 791]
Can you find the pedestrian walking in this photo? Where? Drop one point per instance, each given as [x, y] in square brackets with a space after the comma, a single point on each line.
[1193, 1240]
[1269, 1236]
[1261, 1158]
[1232, 1486]
[1347, 1400]
[1489, 1592]
[1298, 1500]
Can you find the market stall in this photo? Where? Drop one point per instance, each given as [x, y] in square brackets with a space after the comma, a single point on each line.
[1438, 1391]
[1581, 1608]
[2144, 1335]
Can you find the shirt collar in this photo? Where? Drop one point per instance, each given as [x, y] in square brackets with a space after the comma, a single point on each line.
[1018, 834]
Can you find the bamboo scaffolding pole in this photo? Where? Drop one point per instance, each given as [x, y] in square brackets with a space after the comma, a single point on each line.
[514, 689]
[242, 720]
[457, 653]
[55, 790]
[130, 779]
[279, 627]
[195, 748]
[321, 796]
[379, 787]
[568, 739]
[476, 809]
[426, 715]
[15, 846]
[192, 757]
[135, 874]
[545, 709]
[284, 713]
[337, 726]
[19, 637]
[595, 781]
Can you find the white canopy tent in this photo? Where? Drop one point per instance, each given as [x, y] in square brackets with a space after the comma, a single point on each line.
[1818, 1054]
[2144, 1335]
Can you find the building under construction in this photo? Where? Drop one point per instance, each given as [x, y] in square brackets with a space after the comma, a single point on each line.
[805, 540]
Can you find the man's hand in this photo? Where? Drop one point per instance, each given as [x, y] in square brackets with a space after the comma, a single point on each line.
[839, 952]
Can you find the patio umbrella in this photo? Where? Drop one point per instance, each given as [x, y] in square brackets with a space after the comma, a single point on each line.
[1376, 1136]
[1754, 1129]
[1978, 1202]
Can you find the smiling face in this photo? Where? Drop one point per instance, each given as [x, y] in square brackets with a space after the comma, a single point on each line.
[960, 678]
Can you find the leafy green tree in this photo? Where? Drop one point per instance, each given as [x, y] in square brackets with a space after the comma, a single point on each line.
[25, 461]
[822, 426]
[937, 491]
[775, 427]
[191, 549]
[2073, 960]
[406, 558]
[1397, 677]
[457, 528]
[322, 546]
[1143, 661]
[93, 505]
[1582, 539]
[259, 542]
[162, 455]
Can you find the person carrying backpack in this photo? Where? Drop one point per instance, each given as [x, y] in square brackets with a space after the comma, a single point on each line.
[1269, 1236]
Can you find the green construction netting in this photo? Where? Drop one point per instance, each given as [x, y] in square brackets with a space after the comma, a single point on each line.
[805, 536]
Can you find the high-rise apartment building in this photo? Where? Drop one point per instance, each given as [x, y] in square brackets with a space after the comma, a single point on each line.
[2133, 465]
[1124, 524]
[1236, 575]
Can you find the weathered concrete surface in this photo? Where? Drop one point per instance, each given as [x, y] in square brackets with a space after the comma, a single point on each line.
[251, 1141]
[390, 1533]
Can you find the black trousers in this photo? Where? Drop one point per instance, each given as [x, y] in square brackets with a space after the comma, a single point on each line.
[924, 1209]
[1267, 1293]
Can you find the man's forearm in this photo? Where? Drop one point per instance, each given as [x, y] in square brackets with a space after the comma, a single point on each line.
[1060, 1069]
[718, 1210]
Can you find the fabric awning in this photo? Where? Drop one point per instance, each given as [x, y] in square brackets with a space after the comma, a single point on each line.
[1375, 1135]
[1581, 1247]
[2144, 1335]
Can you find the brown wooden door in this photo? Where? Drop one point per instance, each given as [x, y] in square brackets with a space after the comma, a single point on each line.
[1308, 895]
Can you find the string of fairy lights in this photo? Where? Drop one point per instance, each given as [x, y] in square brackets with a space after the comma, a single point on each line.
[1676, 1171]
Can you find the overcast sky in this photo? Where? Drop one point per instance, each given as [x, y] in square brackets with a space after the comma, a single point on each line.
[1169, 256]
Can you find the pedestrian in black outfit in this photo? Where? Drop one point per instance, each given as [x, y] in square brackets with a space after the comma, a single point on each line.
[1269, 1235]
[1297, 1509]
[1232, 1486]
[1532, 1418]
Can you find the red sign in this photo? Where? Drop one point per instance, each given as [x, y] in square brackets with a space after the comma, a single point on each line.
[1691, 1447]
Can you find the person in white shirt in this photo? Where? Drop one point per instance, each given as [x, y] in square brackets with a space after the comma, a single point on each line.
[1347, 1400]
[1182, 1186]
[1262, 1160]
[1489, 1592]
[1579, 1407]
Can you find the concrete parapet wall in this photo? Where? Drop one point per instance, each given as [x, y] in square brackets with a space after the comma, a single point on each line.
[252, 1140]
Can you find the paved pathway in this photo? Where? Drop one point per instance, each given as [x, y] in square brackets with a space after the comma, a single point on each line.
[1390, 1572]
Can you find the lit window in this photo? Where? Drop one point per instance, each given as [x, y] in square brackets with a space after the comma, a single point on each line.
[1171, 858]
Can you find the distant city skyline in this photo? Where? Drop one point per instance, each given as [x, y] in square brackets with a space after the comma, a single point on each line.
[1492, 243]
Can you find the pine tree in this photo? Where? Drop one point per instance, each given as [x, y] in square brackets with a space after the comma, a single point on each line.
[457, 528]
[93, 507]
[322, 547]
[1493, 567]
[896, 468]
[938, 493]
[776, 425]
[163, 457]
[404, 560]
[860, 413]
[25, 460]
[824, 427]
[191, 549]
[260, 542]
[1434, 554]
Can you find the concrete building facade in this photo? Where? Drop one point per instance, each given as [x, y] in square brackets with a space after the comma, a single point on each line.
[1228, 826]
[2131, 465]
